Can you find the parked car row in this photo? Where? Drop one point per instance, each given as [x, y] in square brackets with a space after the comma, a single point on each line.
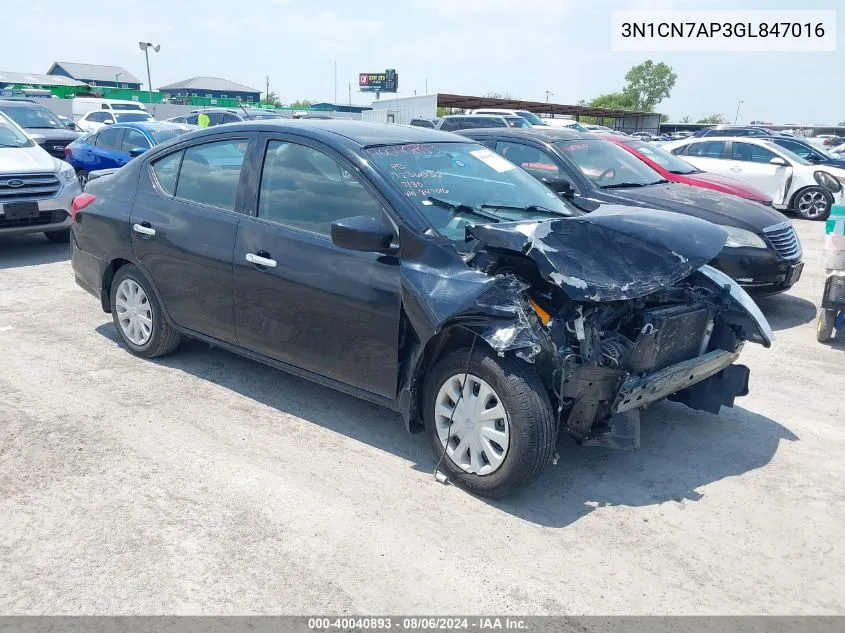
[426, 272]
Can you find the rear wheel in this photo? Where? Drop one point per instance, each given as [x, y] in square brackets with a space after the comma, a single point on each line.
[61, 237]
[138, 315]
[812, 203]
[824, 328]
[494, 423]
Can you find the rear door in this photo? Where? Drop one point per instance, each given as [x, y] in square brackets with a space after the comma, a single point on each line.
[751, 163]
[133, 140]
[107, 149]
[708, 155]
[306, 302]
[184, 223]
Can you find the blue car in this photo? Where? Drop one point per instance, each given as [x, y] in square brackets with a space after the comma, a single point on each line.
[115, 145]
[806, 151]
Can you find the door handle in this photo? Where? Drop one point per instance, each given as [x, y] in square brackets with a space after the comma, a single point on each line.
[252, 258]
[144, 230]
[737, 169]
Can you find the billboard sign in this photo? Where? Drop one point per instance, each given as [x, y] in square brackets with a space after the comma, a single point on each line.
[388, 81]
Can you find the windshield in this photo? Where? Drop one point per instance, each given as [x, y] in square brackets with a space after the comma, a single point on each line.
[668, 161]
[38, 118]
[133, 117]
[608, 165]
[467, 174]
[11, 135]
[160, 136]
[577, 126]
[785, 153]
[532, 118]
[516, 121]
[125, 106]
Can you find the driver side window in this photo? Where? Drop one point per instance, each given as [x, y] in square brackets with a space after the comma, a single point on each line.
[307, 189]
[535, 161]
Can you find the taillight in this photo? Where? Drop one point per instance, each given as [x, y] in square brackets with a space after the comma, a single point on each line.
[80, 202]
[67, 152]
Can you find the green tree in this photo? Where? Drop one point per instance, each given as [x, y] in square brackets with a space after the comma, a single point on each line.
[499, 95]
[686, 119]
[272, 99]
[302, 104]
[614, 100]
[664, 118]
[649, 84]
[713, 119]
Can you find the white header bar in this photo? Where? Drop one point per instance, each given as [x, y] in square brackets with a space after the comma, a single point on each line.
[723, 31]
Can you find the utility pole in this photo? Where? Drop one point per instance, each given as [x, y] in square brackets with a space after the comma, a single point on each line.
[736, 118]
[335, 82]
[426, 85]
[146, 46]
[117, 79]
[549, 93]
[267, 91]
[350, 93]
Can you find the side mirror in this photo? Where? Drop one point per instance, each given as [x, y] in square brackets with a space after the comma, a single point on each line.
[827, 181]
[777, 160]
[70, 124]
[38, 138]
[362, 233]
[108, 122]
[137, 151]
[560, 185]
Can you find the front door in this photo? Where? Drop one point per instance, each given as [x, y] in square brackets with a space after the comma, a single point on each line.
[183, 226]
[300, 299]
[751, 163]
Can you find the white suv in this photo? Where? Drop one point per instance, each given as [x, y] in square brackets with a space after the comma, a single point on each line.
[36, 190]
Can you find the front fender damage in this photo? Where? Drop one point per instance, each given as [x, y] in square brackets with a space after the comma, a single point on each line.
[604, 347]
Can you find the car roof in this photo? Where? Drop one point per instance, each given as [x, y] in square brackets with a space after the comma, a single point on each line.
[549, 135]
[153, 126]
[24, 102]
[361, 133]
[474, 116]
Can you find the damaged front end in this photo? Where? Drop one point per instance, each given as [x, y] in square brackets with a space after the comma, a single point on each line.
[616, 310]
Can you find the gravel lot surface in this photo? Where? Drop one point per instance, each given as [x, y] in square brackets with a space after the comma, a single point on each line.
[205, 483]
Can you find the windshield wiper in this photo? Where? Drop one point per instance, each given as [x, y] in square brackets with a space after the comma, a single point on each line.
[620, 185]
[462, 207]
[531, 208]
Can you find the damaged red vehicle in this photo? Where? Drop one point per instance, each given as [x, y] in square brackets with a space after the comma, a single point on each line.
[422, 272]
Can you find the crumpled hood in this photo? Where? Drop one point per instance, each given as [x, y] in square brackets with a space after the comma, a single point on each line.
[713, 206]
[613, 254]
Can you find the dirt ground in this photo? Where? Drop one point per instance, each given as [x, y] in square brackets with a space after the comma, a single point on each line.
[205, 483]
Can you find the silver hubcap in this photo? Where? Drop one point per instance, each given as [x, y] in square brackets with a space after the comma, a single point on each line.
[480, 431]
[83, 179]
[134, 312]
[812, 204]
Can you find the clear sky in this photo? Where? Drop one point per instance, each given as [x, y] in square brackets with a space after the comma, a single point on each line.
[521, 47]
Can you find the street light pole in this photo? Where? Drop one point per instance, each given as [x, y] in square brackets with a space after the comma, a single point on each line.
[117, 79]
[549, 93]
[736, 118]
[146, 46]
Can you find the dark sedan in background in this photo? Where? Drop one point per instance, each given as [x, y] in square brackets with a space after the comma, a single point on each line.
[421, 271]
[762, 253]
[51, 133]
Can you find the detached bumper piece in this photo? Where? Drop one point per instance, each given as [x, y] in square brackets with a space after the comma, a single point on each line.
[834, 293]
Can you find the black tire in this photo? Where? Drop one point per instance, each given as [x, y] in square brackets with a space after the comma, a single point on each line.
[824, 329]
[814, 215]
[532, 441]
[82, 177]
[164, 338]
[60, 237]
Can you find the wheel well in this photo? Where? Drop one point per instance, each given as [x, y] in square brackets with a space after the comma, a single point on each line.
[108, 275]
[795, 195]
[444, 342]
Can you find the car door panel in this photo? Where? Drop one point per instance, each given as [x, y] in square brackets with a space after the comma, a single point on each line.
[771, 179]
[189, 257]
[324, 309]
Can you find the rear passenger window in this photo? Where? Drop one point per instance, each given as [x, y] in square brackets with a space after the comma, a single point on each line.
[448, 125]
[210, 173]
[166, 170]
[305, 188]
[707, 149]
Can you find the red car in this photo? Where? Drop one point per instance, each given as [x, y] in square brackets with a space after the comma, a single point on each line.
[674, 169]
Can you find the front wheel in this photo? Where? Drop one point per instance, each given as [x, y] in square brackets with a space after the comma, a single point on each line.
[494, 422]
[138, 315]
[824, 329]
[812, 203]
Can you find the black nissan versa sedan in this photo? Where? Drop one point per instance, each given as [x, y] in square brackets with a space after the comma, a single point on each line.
[421, 271]
[762, 252]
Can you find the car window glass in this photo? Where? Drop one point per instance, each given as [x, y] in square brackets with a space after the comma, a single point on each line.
[192, 120]
[751, 153]
[707, 149]
[210, 173]
[133, 139]
[448, 125]
[97, 117]
[110, 138]
[797, 148]
[215, 118]
[166, 169]
[535, 161]
[304, 188]
[230, 118]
